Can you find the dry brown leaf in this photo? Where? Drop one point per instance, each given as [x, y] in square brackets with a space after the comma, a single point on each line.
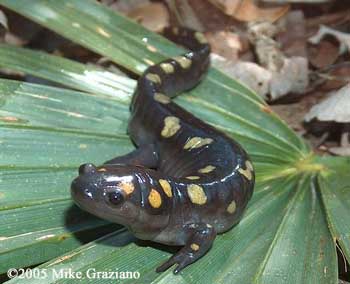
[266, 48]
[248, 73]
[3, 20]
[13, 39]
[343, 38]
[292, 37]
[337, 18]
[229, 7]
[153, 16]
[293, 77]
[337, 76]
[254, 76]
[3, 25]
[250, 10]
[125, 6]
[335, 108]
[287, 113]
[344, 149]
[227, 44]
[324, 54]
[184, 14]
[297, 1]
[340, 151]
[288, 75]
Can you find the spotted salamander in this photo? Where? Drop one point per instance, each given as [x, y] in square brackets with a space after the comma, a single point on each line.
[186, 181]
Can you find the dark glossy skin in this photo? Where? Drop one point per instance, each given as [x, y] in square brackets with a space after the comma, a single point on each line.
[186, 181]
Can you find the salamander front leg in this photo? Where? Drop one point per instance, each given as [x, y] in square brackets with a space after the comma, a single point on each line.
[200, 241]
[146, 155]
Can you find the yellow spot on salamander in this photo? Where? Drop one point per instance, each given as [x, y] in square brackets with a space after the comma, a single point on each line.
[194, 247]
[196, 194]
[193, 177]
[153, 78]
[248, 172]
[249, 165]
[171, 126]
[168, 68]
[231, 208]
[175, 30]
[127, 187]
[207, 169]
[200, 38]
[166, 187]
[184, 62]
[197, 142]
[161, 98]
[102, 170]
[154, 198]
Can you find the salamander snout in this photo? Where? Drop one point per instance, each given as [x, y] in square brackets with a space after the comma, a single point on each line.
[85, 187]
[87, 169]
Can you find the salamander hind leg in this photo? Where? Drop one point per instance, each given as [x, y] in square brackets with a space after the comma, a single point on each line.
[198, 244]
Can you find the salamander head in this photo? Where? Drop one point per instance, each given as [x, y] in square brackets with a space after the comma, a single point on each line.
[111, 193]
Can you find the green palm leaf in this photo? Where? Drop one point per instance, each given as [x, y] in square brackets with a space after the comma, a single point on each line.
[287, 234]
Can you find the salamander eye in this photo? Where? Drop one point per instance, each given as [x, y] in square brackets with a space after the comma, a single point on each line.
[115, 197]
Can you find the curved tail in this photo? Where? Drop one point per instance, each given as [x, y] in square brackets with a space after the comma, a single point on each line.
[177, 74]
